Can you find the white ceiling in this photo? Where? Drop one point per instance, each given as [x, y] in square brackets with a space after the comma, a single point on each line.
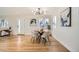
[25, 10]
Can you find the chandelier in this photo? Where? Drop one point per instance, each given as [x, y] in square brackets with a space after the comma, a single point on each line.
[39, 11]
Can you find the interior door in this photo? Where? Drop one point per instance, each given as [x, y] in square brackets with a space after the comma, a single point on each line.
[20, 26]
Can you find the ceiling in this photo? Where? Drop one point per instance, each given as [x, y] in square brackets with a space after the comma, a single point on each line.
[26, 10]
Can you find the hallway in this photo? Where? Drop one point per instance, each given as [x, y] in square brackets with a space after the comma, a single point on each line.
[23, 44]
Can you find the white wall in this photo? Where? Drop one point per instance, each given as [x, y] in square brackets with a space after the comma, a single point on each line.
[25, 21]
[68, 36]
[12, 14]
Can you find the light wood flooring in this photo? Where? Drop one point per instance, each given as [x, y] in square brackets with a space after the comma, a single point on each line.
[24, 44]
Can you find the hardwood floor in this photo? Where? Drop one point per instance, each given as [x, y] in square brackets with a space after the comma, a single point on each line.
[23, 44]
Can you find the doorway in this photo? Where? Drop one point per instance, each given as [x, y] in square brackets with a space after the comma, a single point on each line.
[20, 27]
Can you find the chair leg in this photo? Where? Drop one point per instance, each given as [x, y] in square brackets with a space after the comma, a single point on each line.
[44, 41]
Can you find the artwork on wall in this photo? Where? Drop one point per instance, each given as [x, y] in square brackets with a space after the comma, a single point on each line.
[66, 17]
[33, 22]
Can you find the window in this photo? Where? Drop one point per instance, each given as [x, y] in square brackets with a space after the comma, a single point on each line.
[3, 23]
[44, 22]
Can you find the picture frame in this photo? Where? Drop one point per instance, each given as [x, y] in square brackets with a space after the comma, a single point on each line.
[66, 17]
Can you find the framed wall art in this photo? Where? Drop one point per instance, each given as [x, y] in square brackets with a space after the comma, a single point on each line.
[66, 17]
[33, 22]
